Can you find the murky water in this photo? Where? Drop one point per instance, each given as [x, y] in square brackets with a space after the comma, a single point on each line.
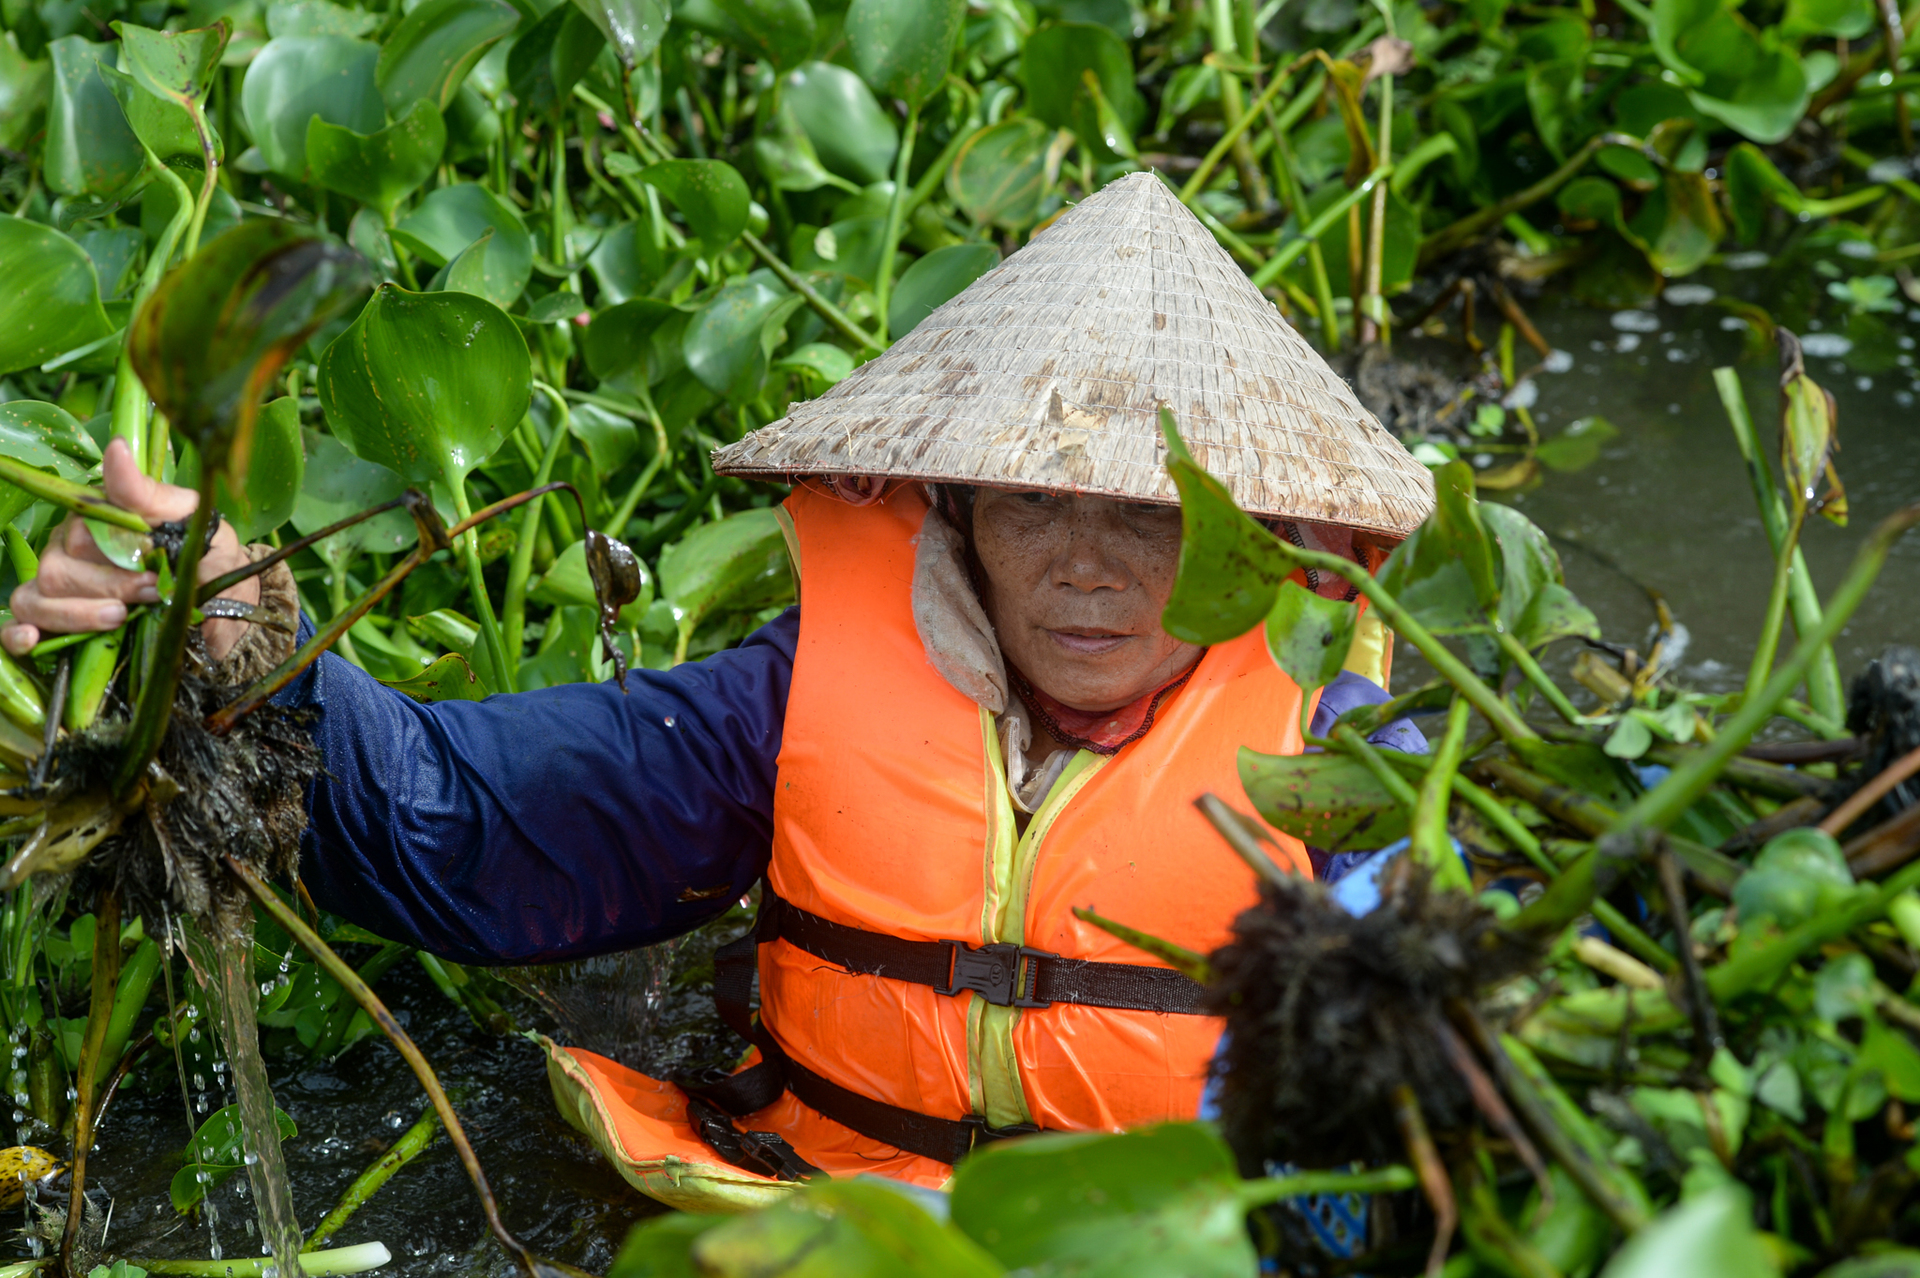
[1668, 506]
[1665, 506]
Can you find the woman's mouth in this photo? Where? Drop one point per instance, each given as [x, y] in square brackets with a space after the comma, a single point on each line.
[1089, 643]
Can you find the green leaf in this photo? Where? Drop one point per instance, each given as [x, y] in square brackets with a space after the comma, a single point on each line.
[828, 364]
[25, 89]
[568, 583]
[214, 334]
[1590, 199]
[1527, 562]
[710, 194]
[1756, 87]
[738, 563]
[1444, 573]
[90, 147]
[426, 384]
[448, 679]
[218, 1147]
[1630, 738]
[632, 27]
[1003, 172]
[1158, 1202]
[1849, 19]
[174, 66]
[617, 340]
[625, 263]
[1556, 96]
[382, 168]
[1894, 1262]
[838, 1229]
[902, 47]
[780, 30]
[319, 18]
[158, 203]
[547, 61]
[1806, 438]
[1886, 1049]
[261, 504]
[663, 1247]
[52, 426]
[296, 78]
[338, 484]
[452, 218]
[1797, 875]
[1679, 224]
[114, 252]
[1230, 567]
[850, 133]
[52, 301]
[1309, 636]
[1329, 801]
[1709, 1235]
[42, 436]
[430, 53]
[1578, 446]
[1053, 63]
[934, 280]
[723, 343]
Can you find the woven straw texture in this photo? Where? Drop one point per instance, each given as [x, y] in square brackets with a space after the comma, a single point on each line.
[1049, 371]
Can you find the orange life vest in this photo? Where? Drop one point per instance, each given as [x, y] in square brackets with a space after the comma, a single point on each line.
[892, 815]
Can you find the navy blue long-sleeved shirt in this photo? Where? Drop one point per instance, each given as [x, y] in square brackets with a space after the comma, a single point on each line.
[570, 821]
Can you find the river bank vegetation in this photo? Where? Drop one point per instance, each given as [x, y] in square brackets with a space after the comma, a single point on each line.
[255, 241]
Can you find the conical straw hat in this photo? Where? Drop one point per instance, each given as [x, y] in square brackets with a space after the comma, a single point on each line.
[1049, 371]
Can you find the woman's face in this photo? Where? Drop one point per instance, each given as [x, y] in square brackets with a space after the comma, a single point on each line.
[1075, 587]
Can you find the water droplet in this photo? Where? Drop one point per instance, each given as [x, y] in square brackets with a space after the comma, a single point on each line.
[73, 1093]
[251, 1158]
[199, 1082]
[19, 1115]
[266, 988]
[668, 721]
[193, 1036]
[205, 1178]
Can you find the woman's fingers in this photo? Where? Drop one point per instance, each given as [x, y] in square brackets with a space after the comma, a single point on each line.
[64, 576]
[131, 490]
[19, 638]
[65, 614]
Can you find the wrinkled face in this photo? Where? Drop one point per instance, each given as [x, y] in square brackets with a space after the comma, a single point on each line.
[1075, 587]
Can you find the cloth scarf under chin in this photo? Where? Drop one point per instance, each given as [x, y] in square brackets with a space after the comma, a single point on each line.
[1101, 731]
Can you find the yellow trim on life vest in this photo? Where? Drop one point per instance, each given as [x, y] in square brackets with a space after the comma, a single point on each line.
[1368, 656]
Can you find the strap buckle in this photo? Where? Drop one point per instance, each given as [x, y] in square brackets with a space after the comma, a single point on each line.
[981, 1132]
[1003, 973]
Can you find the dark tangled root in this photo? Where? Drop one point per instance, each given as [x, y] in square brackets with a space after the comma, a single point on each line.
[1327, 1014]
[241, 795]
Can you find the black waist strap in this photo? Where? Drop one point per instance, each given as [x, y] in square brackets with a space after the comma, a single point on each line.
[1005, 975]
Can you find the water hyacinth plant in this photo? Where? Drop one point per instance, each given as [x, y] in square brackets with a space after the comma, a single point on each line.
[419, 263]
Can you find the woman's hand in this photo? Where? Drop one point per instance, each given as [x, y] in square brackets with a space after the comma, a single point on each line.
[78, 589]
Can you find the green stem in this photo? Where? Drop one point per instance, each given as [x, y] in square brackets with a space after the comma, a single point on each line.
[890, 242]
[1431, 845]
[1372, 308]
[1370, 757]
[1537, 677]
[129, 392]
[662, 452]
[1824, 690]
[135, 982]
[337, 601]
[822, 307]
[1378, 1180]
[1768, 645]
[155, 705]
[469, 550]
[1198, 182]
[106, 972]
[1311, 233]
[514, 606]
[211, 180]
[403, 1151]
[1661, 806]
[1448, 238]
[1497, 815]
[357, 1259]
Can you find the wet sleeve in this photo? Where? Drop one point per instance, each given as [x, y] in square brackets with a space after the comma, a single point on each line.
[1351, 690]
[546, 825]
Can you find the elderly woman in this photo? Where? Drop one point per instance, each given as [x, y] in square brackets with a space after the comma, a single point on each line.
[973, 723]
